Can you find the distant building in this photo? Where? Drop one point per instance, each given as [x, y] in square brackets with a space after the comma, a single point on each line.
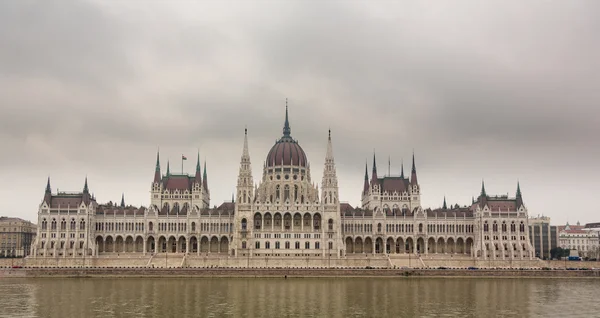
[543, 236]
[579, 238]
[16, 237]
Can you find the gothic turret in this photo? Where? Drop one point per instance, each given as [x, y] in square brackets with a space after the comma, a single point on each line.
[366, 185]
[483, 195]
[413, 173]
[402, 169]
[444, 207]
[48, 193]
[123, 200]
[245, 180]
[374, 173]
[205, 179]
[86, 189]
[198, 176]
[519, 196]
[157, 169]
[329, 185]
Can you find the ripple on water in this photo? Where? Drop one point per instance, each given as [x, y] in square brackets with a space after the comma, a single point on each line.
[308, 297]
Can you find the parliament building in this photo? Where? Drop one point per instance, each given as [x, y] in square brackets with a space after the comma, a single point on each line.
[285, 215]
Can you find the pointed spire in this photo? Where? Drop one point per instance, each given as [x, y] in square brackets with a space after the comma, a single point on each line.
[444, 206]
[198, 177]
[158, 161]
[123, 200]
[483, 194]
[413, 174]
[329, 156]
[374, 176]
[232, 198]
[198, 161]
[157, 170]
[389, 165]
[519, 196]
[472, 199]
[402, 169]
[204, 178]
[48, 189]
[245, 152]
[366, 184]
[286, 126]
[85, 186]
[168, 169]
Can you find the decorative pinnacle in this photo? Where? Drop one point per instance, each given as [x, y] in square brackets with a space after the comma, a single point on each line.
[286, 126]
[483, 194]
[85, 186]
[48, 189]
[158, 160]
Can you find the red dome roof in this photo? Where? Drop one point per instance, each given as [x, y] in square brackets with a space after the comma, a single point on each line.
[286, 151]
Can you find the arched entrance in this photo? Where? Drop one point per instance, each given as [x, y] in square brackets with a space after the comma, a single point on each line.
[349, 246]
[400, 248]
[224, 245]
[150, 245]
[368, 245]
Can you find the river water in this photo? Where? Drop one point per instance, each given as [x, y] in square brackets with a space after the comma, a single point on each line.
[299, 297]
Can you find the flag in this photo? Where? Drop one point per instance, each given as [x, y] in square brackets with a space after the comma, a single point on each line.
[183, 157]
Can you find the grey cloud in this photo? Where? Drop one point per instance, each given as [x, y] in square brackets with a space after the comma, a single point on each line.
[499, 91]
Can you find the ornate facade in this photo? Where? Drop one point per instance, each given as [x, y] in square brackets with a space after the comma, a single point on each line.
[285, 215]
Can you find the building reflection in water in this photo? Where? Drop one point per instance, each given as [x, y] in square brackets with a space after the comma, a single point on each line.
[296, 297]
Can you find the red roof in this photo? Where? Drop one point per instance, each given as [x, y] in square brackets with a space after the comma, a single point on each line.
[286, 151]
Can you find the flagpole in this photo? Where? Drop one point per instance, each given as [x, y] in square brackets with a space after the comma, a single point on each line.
[182, 164]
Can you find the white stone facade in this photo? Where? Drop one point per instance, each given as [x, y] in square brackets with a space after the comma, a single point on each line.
[286, 215]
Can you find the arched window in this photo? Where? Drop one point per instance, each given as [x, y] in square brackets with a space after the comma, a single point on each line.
[378, 227]
[73, 225]
[420, 227]
[257, 221]
[295, 193]
[82, 225]
[485, 227]
[503, 226]
[286, 193]
[193, 226]
[287, 245]
[63, 225]
[513, 227]
[44, 224]
[330, 222]
[150, 226]
[277, 192]
[495, 227]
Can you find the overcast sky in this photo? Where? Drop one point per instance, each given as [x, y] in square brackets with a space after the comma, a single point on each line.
[501, 92]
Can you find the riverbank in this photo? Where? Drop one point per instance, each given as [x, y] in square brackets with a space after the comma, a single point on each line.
[288, 273]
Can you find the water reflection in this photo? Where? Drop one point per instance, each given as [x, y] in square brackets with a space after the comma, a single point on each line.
[299, 297]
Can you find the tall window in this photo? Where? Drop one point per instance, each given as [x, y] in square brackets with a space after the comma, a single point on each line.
[268, 245]
[257, 245]
[297, 245]
[307, 245]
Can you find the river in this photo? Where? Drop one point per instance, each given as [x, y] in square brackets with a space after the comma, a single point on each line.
[299, 297]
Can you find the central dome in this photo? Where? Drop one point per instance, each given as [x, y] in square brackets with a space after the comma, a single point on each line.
[286, 150]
